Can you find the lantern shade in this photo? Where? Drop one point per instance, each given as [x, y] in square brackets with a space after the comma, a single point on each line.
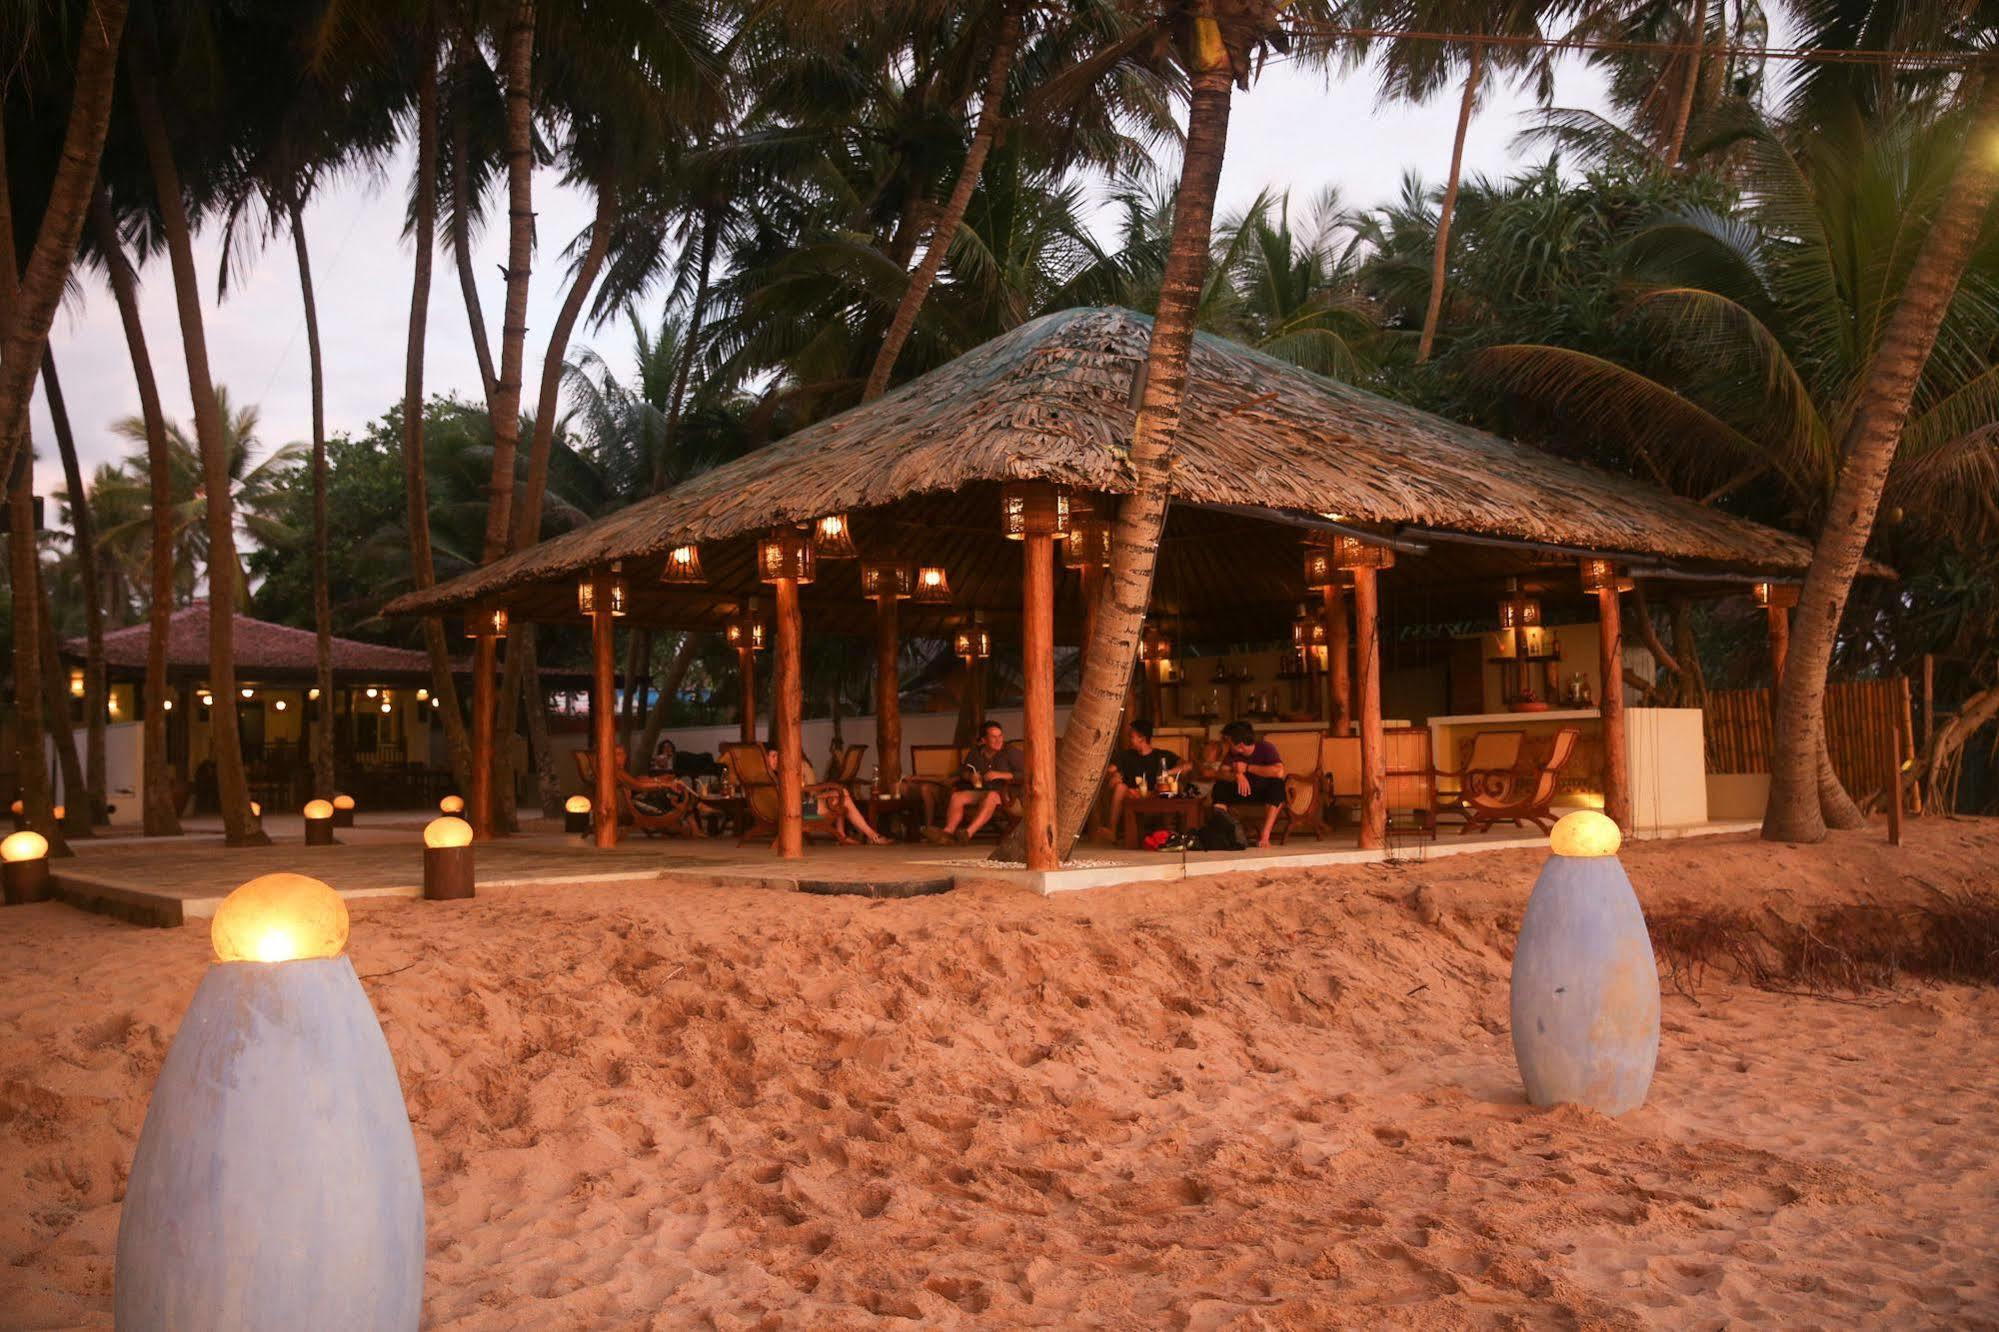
[1308, 630]
[614, 588]
[683, 565]
[933, 586]
[785, 553]
[887, 578]
[1089, 545]
[1033, 508]
[1351, 551]
[1598, 574]
[833, 537]
[1320, 571]
[484, 620]
[972, 641]
[745, 632]
[1780, 596]
[1519, 613]
[279, 918]
[1157, 645]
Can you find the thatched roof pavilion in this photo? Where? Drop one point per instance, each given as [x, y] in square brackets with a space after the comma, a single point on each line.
[1053, 400]
[1268, 457]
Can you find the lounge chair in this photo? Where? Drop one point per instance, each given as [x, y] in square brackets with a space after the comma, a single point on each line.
[677, 818]
[1489, 763]
[1525, 804]
[933, 769]
[750, 768]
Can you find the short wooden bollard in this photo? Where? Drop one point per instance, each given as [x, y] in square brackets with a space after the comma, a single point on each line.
[576, 814]
[26, 868]
[447, 859]
[318, 823]
[343, 811]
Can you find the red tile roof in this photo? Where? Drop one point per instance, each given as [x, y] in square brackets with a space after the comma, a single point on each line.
[260, 646]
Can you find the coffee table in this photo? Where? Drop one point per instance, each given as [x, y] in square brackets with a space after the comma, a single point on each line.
[904, 810]
[1184, 812]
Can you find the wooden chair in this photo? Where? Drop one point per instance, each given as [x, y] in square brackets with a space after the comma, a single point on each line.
[1411, 783]
[749, 765]
[1488, 763]
[1526, 804]
[1339, 776]
[935, 768]
[848, 776]
[1304, 804]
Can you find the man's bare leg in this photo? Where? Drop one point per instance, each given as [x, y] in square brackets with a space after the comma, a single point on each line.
[987, 807]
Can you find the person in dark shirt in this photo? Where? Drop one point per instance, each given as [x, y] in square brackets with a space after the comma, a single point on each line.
[991, 773]
[1140, 758]
[1251, 773]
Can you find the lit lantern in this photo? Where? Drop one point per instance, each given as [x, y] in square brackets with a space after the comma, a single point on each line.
[166, 705]
[576, 814]
[451, 804]
[318, 822]
[785, 553]
[1585, 995]
[1308, 631]
[486, 620]
[1320, 571]
[279, 704]
[1033, 508]
[435, 702]
[422, 695]
[614, 589]
[312, 694]
[388, 706]
[1774, 596]
[1352, 551]
[972, 642]
[447, 859]
[76, 684]
[933, 586]
[887, 578]
[276, 1182]
[833, 537]
[60, 813]
[247, 693]
[24, 865]
[256, 810]
[374, 692]
[1519, 613]
[207, 699]
[1089, 544]
[745, 632]
[683, 565]
[1599, 575]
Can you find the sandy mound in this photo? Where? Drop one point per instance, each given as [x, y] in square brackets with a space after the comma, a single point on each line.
[1277, 1101]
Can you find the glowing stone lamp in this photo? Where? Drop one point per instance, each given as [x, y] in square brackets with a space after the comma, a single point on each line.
[318, 822]
[343, 807]
[20, 813]
[451, 804]
[24, 867]
[1585, 987]
[447, 859]
[576, 814]
[276, 1181]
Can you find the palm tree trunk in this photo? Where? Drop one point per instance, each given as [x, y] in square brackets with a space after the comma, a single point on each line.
[423, 568]
[32, 296]
[1112, 651]
[322, 603]
[1684, 111]
[159, 817]
[946, 228]
[232, 781]
[669, 689]
[76, 794]
[1440, 256]
[505, 405]
[461, 213]
[548, 782]
[24, 574]
[93, 601]
[1881, 408]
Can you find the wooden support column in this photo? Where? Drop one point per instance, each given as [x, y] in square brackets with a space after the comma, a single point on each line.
[888, 700]
[746, 674]
[484, 648]
[1037, 661]
[787, 711]
[1373, 761]
[1339, 653]
[1616, 748]
[604, 719]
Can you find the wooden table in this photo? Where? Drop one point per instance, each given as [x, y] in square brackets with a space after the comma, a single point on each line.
[1184, 812]
[731, 811]
[906, 810]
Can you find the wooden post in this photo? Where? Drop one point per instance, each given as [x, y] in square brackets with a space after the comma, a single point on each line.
[604, 719]
[1616, 750]
[1373, 761]
[746, 673]
[483, 651]
[888, 701]
[787, 712]
[1780, 643]
[1339, 655]
[1037, 669]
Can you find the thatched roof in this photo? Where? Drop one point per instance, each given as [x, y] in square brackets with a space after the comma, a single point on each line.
[1053, 400]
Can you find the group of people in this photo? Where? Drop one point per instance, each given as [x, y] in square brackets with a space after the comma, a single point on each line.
[1248, 771]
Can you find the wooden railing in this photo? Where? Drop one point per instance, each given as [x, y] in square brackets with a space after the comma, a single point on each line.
[1860, 718]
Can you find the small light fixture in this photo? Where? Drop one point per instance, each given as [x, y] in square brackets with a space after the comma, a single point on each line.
[1157, 644]
[1599, 575]
[683, 565]
[833, 537]
[972, 642]
[1089, 545]
[1519, 613]
[318, 822]
[1774, 596]
[422, 694]
[387, 707]
[247, 693]
[1308, 630]
[76, 684]
[615, 588]
[933, 586]
[279, 704]
[1351, 551]
[312, 694]
[1033, 508]
[207, 699]
[451, 804]
[887, 578]
[447, 859]
[745, 631]
[487, 620]
[166, 705]
[434, 703]
[343, 808]
[785, 553]
[374, 692]
[256, 810]
[26, 872]
[576, 814]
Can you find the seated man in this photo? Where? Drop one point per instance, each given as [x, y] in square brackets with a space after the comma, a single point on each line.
[1252, 773]
[988, 776]
[664, 756]
[1139, 760]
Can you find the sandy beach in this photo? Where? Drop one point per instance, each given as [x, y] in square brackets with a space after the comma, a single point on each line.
[1259, 1101]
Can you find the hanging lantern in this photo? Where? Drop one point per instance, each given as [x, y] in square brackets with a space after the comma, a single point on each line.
[1320, 571]
[1351, 551]
[1599, 575]
[614, 588]
[887, 578]
[1089, 545]
[833, 538]
[1157, 644]
[76, 684]
[1033, 508]
[933, 586]
[745, 631]
[484, 620]
[1778, 596]
[1519, 613]
[1308, 630]
[973, 642]
[785, 553]
[683, 565]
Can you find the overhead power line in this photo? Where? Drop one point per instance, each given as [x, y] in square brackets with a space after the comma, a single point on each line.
[1900, 58]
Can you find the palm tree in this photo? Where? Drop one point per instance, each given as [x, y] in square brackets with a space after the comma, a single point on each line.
[1298, 298]
[1416, 65]
[84, 544]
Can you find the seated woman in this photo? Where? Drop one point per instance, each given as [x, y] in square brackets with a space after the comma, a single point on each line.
[831, 800]
[1252, 773]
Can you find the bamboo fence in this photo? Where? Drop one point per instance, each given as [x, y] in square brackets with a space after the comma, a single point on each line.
[1860, 715]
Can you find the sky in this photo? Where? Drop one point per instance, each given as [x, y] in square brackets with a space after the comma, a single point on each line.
[1295, 130]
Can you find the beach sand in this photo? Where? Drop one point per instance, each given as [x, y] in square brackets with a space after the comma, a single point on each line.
[1264, 1101]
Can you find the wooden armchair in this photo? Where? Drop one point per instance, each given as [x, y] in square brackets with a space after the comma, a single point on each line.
[1526, 804]
[749, 765]
[1304, 805]
[848, 776]
[676, 809]
[1410, 786]
[1488, 763]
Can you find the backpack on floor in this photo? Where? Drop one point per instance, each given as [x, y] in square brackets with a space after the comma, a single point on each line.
[1221, 833]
